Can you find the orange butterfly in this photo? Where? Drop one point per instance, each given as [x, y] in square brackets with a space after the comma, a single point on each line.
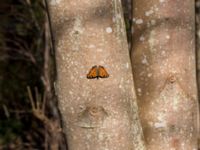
[97, 72]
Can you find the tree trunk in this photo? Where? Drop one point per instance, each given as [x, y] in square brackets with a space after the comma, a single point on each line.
[163, 59]
[98, 114]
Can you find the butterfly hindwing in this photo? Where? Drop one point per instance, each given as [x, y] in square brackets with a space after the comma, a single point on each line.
[102, 73]
[93, 73]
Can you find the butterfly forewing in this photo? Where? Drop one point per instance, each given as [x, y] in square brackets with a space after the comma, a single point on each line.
[92, 73]
[102, 73]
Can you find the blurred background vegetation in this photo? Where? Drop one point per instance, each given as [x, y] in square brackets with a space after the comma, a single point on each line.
[29, 118]
[21, 55]
[26, 63]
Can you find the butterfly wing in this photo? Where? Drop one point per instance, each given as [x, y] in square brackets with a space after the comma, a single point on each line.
[102, 73]
[92, 73]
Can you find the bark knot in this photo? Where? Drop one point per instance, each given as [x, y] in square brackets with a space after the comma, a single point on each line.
[172, 78]
[92, 117]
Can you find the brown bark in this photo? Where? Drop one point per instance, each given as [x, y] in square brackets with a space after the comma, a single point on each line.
[163, 59]
[97, 114]
[197, 15]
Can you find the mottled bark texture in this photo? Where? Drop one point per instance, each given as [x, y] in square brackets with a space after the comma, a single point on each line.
[98, 114]
[197, 4]
[163, 60]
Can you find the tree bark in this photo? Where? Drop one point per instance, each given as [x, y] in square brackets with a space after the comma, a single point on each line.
[98, 114]
[163, 60]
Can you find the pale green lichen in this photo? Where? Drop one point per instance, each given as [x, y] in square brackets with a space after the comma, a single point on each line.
[54, 2]
[152, 41]
[76, 32]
